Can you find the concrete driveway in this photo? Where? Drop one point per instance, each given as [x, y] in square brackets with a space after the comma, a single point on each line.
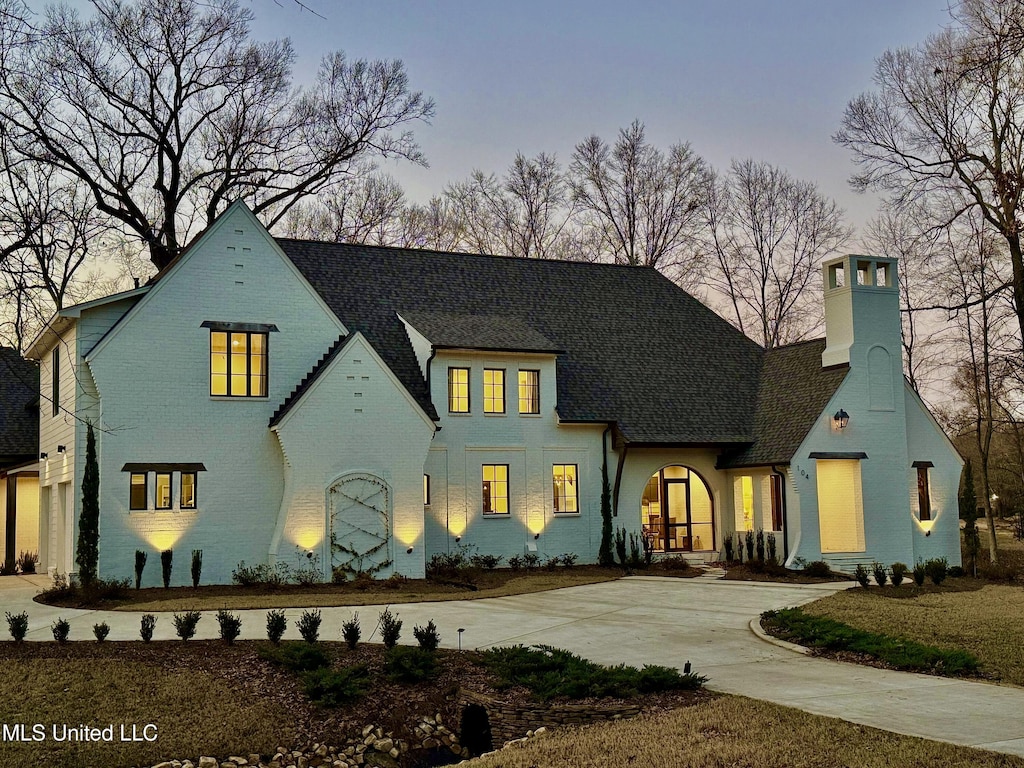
[645, 620]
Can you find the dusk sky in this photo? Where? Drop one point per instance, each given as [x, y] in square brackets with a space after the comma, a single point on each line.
[737, 79]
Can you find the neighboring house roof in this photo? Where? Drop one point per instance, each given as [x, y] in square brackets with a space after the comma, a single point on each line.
[451, 330]
[638, 351]
[794, 390]
[19, 408]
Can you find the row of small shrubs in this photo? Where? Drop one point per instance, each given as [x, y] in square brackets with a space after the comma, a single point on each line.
[936, 569]
[820, 632]
[760, 545]
[551, 673]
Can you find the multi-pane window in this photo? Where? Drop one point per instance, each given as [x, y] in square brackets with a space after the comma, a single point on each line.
[238, 363]
[529, 391]
[137, 498]
[188, 490]
[494, 390]
[163, 490]
[458, 390]
[495, 489]
[924, 496]
[565, 490]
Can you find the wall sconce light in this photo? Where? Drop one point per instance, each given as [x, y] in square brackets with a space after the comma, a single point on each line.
[44, 455]
[408, 551]
[841, 419]
[458, 538]
[536, 536]
[61, 448]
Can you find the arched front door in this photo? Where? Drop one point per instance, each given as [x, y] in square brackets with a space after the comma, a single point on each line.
[360, 524]
[677, 511]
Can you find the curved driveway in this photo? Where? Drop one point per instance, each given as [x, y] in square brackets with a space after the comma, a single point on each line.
[649, 620]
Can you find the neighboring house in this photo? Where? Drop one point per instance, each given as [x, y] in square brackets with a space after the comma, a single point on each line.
[19, 457]
[357, 408]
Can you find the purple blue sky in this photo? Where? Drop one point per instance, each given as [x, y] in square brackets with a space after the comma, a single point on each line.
[735, 78]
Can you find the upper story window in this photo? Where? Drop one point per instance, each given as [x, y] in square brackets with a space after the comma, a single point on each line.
[494, 390]
[565, 489]
[458, 390]
[55, 372]
[238, 364]
[529, 391]
[495, 489]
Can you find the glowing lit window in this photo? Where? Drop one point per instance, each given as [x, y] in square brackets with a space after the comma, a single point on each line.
[529, 391]
[163, 490]
[743, 500]
[138, 494]
[495, 489]
[188, 490]
[458, 390]
[924, 495]
[494, 390]
[566, 491]
[238, 364]
[840, 506]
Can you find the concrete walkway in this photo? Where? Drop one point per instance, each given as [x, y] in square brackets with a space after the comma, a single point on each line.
[645, 620]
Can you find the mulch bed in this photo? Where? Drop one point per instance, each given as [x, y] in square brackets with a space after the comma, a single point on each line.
[737, 572]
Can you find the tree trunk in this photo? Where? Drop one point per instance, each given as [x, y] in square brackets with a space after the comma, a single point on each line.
[1016, 259]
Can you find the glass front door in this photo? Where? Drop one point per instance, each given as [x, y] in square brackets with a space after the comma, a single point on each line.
[676, 511]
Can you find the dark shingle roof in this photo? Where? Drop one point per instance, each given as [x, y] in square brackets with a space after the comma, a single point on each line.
[638, 350]
[453, 330]
[794, 391]
[19, 408]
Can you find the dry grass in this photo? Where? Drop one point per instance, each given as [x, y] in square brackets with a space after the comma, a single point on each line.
[733, 731]
[498, 583]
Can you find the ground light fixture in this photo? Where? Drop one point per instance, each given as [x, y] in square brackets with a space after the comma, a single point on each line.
[44, 455]
[61, 448]
[841, 419]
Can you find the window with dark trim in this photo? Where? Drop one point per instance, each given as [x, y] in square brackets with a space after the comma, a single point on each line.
[458, 390]
[55, 389]
[494, 390]
[139, 491]
[426, 490]
[777, 499]
[163, 490]
[238, 363]
[529, 391]
[495, 489]
[565, 489]
[924, 497]
[188, 490]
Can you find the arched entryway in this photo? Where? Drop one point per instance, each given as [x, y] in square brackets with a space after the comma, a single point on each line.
[677, 511]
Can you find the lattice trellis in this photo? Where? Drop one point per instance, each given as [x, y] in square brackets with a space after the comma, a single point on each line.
[360, 520]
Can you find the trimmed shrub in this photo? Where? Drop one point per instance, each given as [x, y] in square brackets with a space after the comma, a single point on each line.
[749, 541]
[276, 625]
[819, 569]
[410, 665]
[100, 631]
[569, 559]
[230, 625]
[390, 628]
[728, 549]
[515, 563]
[759, 545]
[61, 629]
[675, 563]
[552, 562]
[351, 632]
[166, 563]
[937, 569]
[861, 575]
[956, 572]
[17, 625]
[140, 564]
[897, 572]
[26, 562]
[87, 553]
[920, 574]
[309, 625]
[880, 573]
[770, 545]
[197, 566]
[185, 624]
[295, 656]
[427, 636]
[487, 562]
[148, 625]
[531, 561]
[336, 688]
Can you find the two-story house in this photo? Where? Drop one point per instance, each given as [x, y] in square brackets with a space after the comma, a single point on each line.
[362, 408]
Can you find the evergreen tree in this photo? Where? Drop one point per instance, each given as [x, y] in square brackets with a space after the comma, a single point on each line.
[605, 555]
[969, 513]
[88, 552]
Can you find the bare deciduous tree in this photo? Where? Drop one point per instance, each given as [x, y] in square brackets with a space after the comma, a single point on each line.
[166, 111]
[641, 204]
[948, 115]
[768, 234]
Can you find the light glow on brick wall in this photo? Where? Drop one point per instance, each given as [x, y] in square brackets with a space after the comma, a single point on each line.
[308, 538]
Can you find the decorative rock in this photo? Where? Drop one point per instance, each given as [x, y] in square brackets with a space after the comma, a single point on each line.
[394, 752]
[207, 762]
[383, 745]
[164, 764]
[367, 730]
[241, 760]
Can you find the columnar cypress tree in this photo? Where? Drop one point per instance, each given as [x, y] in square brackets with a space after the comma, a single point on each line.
[88, 552]
[605, 555]
[969, 513]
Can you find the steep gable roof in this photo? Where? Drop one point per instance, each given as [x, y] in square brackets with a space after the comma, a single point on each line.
[19, 407]
[638, 350]
[794, 390]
